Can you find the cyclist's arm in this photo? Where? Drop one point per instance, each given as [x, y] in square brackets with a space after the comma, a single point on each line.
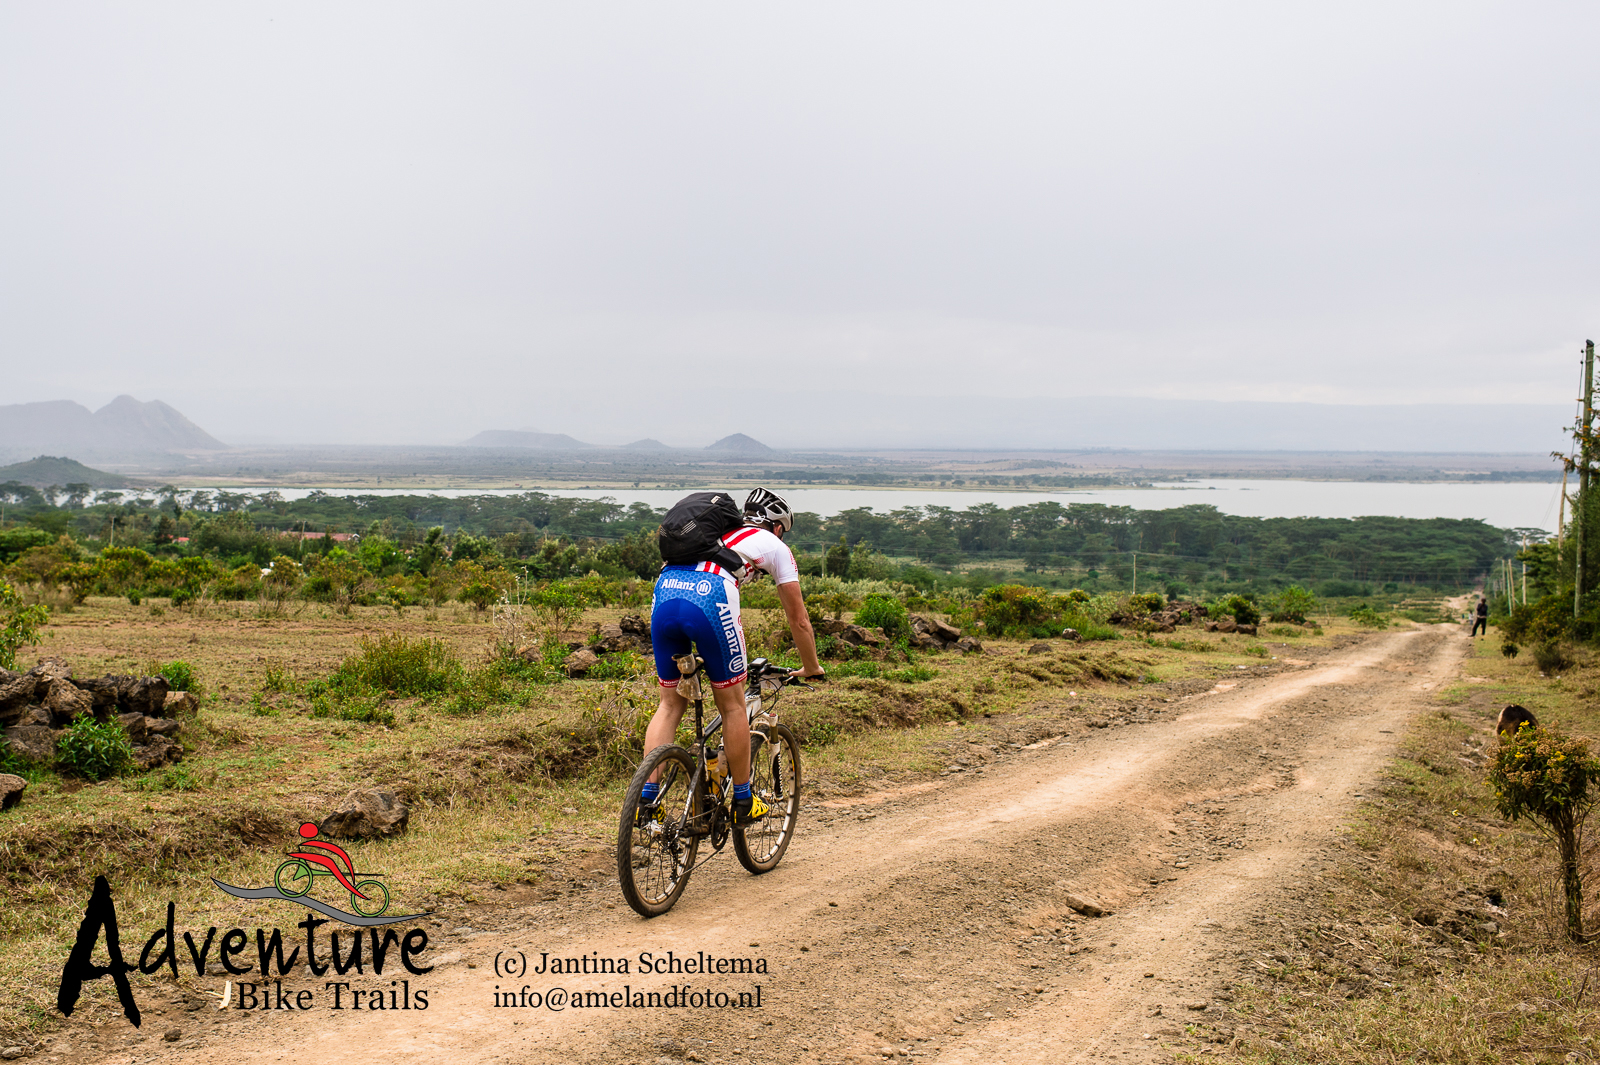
[805, 640]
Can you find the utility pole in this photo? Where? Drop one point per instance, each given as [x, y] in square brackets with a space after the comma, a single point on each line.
[1580, 512]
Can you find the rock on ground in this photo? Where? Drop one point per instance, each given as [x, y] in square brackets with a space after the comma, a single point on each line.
[368, 814]
[177, 704]
[581, 661]
[36, 743]
[67, 702]
[11, 789]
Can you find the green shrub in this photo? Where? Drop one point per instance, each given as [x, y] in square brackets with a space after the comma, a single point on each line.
[1294, 604]
[1078, 595]
[1509, 649]
[393, 663]
[886, 613]
[180, 676]
[1087, 627]
[1239, 607]
[19, 625]
[1551, 656]
[1548, 619]
[94, 749]
[1365, 615]
[1549, 778]
[1146, 603]
[1015, 610]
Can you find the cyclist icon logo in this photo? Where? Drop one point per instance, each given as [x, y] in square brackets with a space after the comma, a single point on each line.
[298, 874]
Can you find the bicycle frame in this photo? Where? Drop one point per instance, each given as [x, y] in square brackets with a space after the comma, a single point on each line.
[709, 825]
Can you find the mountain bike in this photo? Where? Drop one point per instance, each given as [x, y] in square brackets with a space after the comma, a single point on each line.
[657, 843]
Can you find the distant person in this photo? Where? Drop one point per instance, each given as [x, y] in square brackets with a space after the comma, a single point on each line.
[1483, 617]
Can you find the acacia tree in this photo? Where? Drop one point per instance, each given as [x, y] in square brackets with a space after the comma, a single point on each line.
[1549, 778]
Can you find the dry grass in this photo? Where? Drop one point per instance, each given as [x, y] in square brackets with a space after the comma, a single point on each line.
[491, 785]
[1393, 957]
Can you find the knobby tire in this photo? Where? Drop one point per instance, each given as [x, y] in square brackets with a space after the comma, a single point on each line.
[654, 858]
[775, 778]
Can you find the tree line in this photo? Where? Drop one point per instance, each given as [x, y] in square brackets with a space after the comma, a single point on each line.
[1096, 546]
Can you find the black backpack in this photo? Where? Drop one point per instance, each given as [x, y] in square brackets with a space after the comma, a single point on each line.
[694, 528]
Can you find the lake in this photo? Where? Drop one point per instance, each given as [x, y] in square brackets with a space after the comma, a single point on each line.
[1507, 505]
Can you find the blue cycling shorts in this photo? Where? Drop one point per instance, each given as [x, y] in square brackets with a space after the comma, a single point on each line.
[698, 607]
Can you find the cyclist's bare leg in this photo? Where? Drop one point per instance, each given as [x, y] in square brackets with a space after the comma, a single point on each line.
[735, 731]
[663, 727]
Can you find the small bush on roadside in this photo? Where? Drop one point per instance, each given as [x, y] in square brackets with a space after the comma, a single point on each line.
[886, 613]
[1551, 656]
[94, 749]
[1016, 610]
[1294, 604]
[1548, 619]
[1238, 607]
[1366, 616]
[1549, 778]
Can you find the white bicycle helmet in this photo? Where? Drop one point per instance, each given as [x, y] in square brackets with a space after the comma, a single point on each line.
[765, 505]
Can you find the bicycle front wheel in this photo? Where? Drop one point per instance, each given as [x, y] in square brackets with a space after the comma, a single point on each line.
[655, 852]
[775, 779]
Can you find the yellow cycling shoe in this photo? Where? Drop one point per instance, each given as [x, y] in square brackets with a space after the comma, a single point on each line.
[746, 812]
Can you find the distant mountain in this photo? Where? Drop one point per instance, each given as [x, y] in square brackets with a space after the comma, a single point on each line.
[742, 445]
[47, 470]
[649, 443]
[124, 426]
[525, 438]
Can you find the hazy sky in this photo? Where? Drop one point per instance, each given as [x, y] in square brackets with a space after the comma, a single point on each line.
[391, 221]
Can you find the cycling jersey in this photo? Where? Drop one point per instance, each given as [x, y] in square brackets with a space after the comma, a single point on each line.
[699, 604]
[763, 552]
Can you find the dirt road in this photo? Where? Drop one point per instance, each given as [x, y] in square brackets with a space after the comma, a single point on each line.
[933, 924]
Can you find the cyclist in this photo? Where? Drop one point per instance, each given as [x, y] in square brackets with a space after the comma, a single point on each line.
[699, 604]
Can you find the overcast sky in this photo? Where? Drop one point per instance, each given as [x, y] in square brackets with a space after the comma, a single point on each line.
[395, 222]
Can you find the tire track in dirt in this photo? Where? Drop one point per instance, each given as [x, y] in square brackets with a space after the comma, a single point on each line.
[935, 924]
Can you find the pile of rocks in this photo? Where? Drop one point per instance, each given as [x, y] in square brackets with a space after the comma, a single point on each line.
[1227, 624]
[37, 705]
[631, 633]
[1165, 620]
[927, 634]
[930, 634]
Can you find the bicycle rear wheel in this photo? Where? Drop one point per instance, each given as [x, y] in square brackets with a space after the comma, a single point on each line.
[654, 852]
[775, 779]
